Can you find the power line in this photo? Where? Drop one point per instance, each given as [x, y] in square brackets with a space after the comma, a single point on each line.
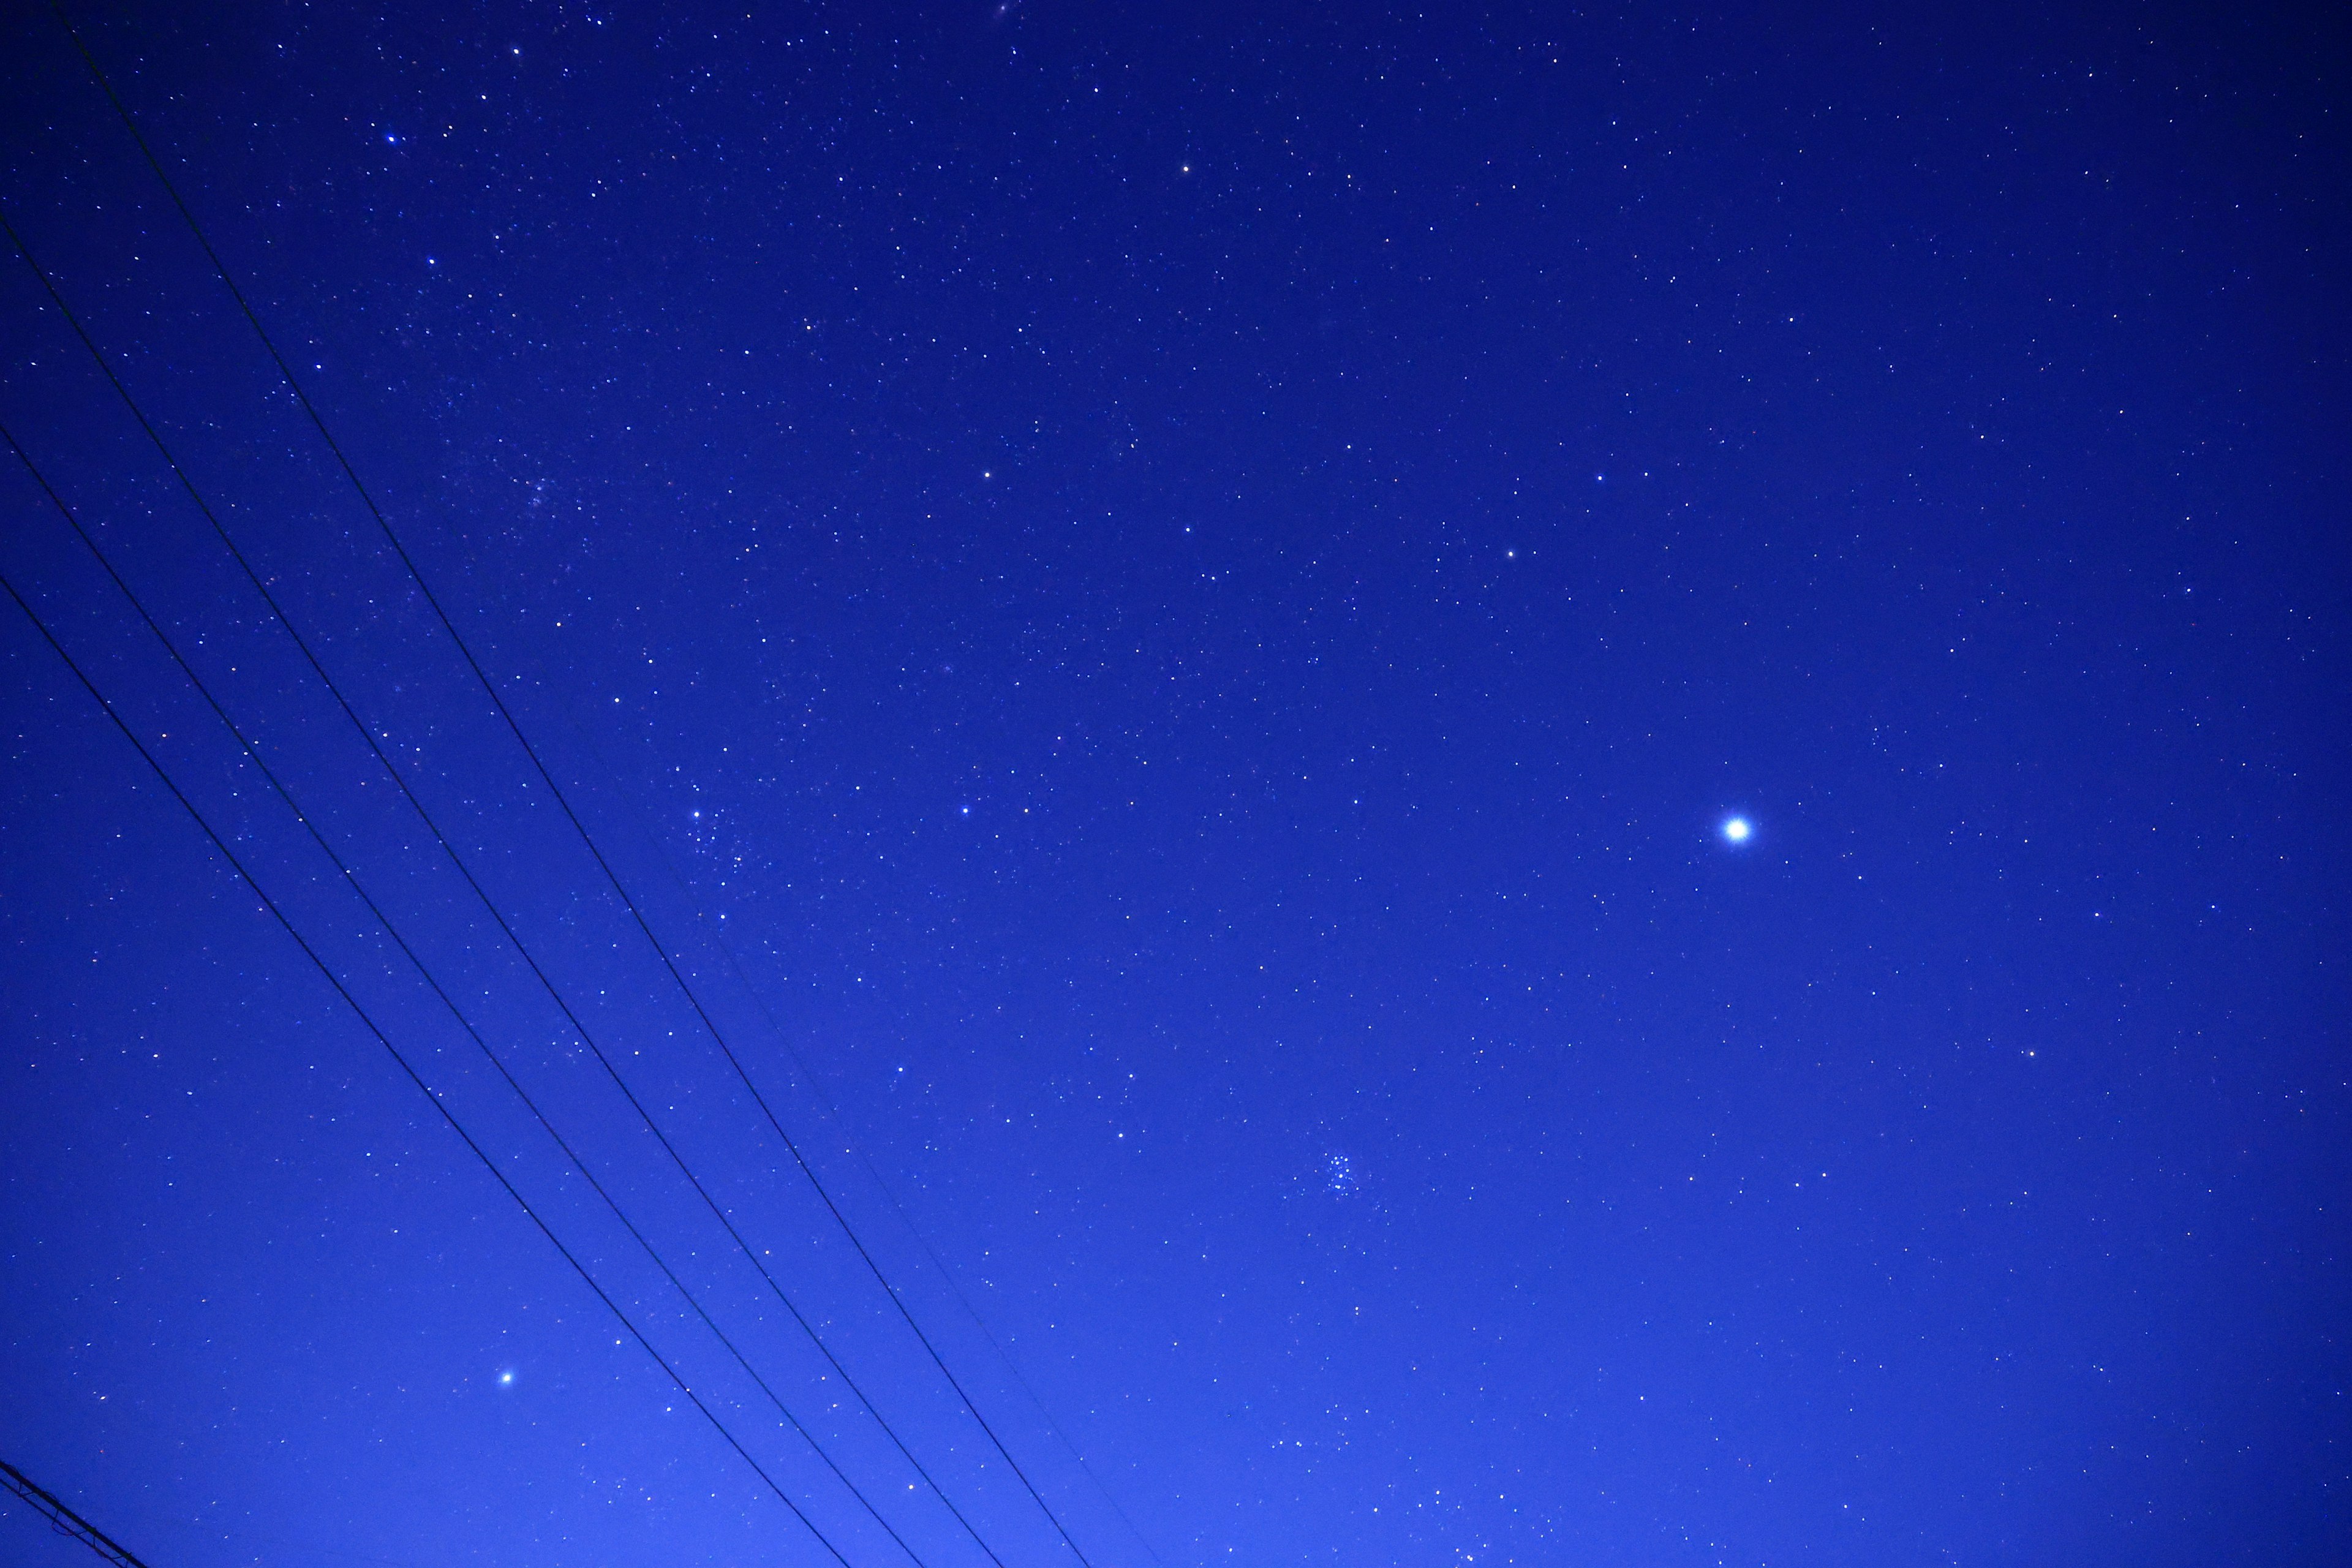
[826, 1102]
[408, 1070]
[351, 878]
[65, 1520]
[490, 689]
[448, 848]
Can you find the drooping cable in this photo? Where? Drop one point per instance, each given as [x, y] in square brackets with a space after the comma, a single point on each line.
[409, 1071]
[383, 920]
[448, 848]
[64, 1519]
[489, 687]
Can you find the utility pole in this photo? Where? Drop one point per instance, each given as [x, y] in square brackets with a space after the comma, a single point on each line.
[65, 1520]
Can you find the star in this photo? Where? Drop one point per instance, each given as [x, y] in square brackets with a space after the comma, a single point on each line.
[1737, 830]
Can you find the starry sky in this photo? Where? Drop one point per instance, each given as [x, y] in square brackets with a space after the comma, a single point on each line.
[1163, 615]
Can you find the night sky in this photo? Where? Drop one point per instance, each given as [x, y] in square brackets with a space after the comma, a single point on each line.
[1167, 614]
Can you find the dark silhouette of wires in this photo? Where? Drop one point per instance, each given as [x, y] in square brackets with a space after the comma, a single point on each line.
[351, 878]
[407, 1069]
[64, 1519]
[579, 1026]
[489, 687]
[735, 966]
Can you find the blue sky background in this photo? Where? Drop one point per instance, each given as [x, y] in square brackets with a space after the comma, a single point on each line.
[1165, 610]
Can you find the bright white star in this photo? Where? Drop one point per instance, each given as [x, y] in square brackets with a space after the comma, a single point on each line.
[1737, 830]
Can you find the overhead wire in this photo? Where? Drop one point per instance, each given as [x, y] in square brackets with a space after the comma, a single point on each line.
[826, 1102]
[408, 1069]
[416, 961]
[448, 848]
[63, 1519]
[489, 687]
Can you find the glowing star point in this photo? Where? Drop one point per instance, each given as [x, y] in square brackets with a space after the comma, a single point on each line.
[1737, 830]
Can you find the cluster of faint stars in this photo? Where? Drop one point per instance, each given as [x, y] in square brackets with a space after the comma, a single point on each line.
[1339, 1175]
